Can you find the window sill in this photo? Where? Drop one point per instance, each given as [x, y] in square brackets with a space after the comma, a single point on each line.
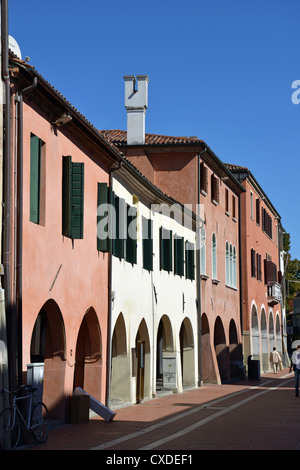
[204, 193]
[231, 287]
[204, 277]
[215, 202]
[215, 281]
[234, 219]
[227, 213]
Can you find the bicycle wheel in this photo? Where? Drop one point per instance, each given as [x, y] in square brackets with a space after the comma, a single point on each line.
[40, 422]
[9, 429]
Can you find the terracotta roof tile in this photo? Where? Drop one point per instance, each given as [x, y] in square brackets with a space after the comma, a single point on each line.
[119, 138]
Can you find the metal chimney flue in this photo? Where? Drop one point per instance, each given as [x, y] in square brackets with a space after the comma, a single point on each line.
[136, 103]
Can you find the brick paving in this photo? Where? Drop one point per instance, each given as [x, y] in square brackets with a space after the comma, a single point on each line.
[140, 418]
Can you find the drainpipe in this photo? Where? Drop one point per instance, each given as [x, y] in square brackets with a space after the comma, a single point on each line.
[109, 339]
[6, 193]
[19, 169]
[198, 279]
[241, 275]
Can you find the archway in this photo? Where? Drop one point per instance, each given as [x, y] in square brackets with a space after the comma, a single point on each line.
[264, 340]
[278, 335]
[255, 333]
[271, 331]
[143, 362]
[47, 348]
[164, 347]
[88, 358]
[207, 365]
[187, 353]
[221, 350]
[120, 365]
[235, 351]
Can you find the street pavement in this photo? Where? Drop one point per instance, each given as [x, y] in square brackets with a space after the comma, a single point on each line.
[242, 415]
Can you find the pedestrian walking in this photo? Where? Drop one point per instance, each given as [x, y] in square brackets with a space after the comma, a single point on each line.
[295, 364]
[275, 359]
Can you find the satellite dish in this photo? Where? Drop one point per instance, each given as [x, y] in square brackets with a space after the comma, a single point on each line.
[14, 47]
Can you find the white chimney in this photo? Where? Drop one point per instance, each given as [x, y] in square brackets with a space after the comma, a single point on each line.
[136, 103]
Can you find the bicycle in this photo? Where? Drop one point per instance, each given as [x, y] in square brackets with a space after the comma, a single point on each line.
[37, 419]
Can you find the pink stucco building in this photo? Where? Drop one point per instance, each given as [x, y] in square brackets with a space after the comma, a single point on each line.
[60, 278]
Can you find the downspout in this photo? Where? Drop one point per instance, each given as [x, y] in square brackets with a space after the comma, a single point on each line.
[198, 277]
[109, 339]
[6, 195]
[19, 98]
[241, 275]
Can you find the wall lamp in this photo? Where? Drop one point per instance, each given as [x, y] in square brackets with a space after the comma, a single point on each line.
[62, 120]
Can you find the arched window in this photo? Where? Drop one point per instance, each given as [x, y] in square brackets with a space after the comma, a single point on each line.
[202, 250]
[234, 268]
[214, 256]
[227, 266]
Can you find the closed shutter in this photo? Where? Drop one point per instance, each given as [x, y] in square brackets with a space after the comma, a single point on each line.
[35, 178]
[178, 256]
[258, 211]
[147, 244]
[165, 249]
[253, 264]
[131, 240]
[120, 228]
[72, 198]
[102, 200]
[190, 260]
[203, 178]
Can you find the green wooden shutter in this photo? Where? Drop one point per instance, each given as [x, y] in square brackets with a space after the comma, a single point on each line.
[165, 249]
[119, 239]
[72, 198]
[190, 260]
[178, 255]
[147, 244]
[131, 239]
[77, 200]
[102, 199]
[35, 178]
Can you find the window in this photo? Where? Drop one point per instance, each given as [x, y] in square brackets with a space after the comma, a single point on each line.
[131, 235]
[266, 224]
[258, 267]
[189, 260]
[270, 269]
[202, 250]
[102, 217]
[203, 178]
[214, 189]
[253, 263]
[165, 249]
[233, 207]
[214, 256]
[178, 255]
[230, 265]
[251, 205]
[147, 234]
[72, 198]
[37, 190]
[258, 211]
[226, 200]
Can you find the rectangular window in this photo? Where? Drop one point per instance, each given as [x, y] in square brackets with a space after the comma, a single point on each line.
[203, 178]
[131, 234]
[253, 263]
[72, 198]
[226, 200]
[147, 244]
[251, 205]
[102, 217]
[165, 238]
[258, 211]
[37, 184]
[214, 189]
[119, 229]
[189, 260]
[178, 255]
[258, 267]
[270, 269]
[233, 207]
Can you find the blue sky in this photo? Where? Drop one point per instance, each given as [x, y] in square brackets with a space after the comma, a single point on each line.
[221, 70]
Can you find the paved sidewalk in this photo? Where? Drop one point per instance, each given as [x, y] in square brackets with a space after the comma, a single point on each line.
[137, 417]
